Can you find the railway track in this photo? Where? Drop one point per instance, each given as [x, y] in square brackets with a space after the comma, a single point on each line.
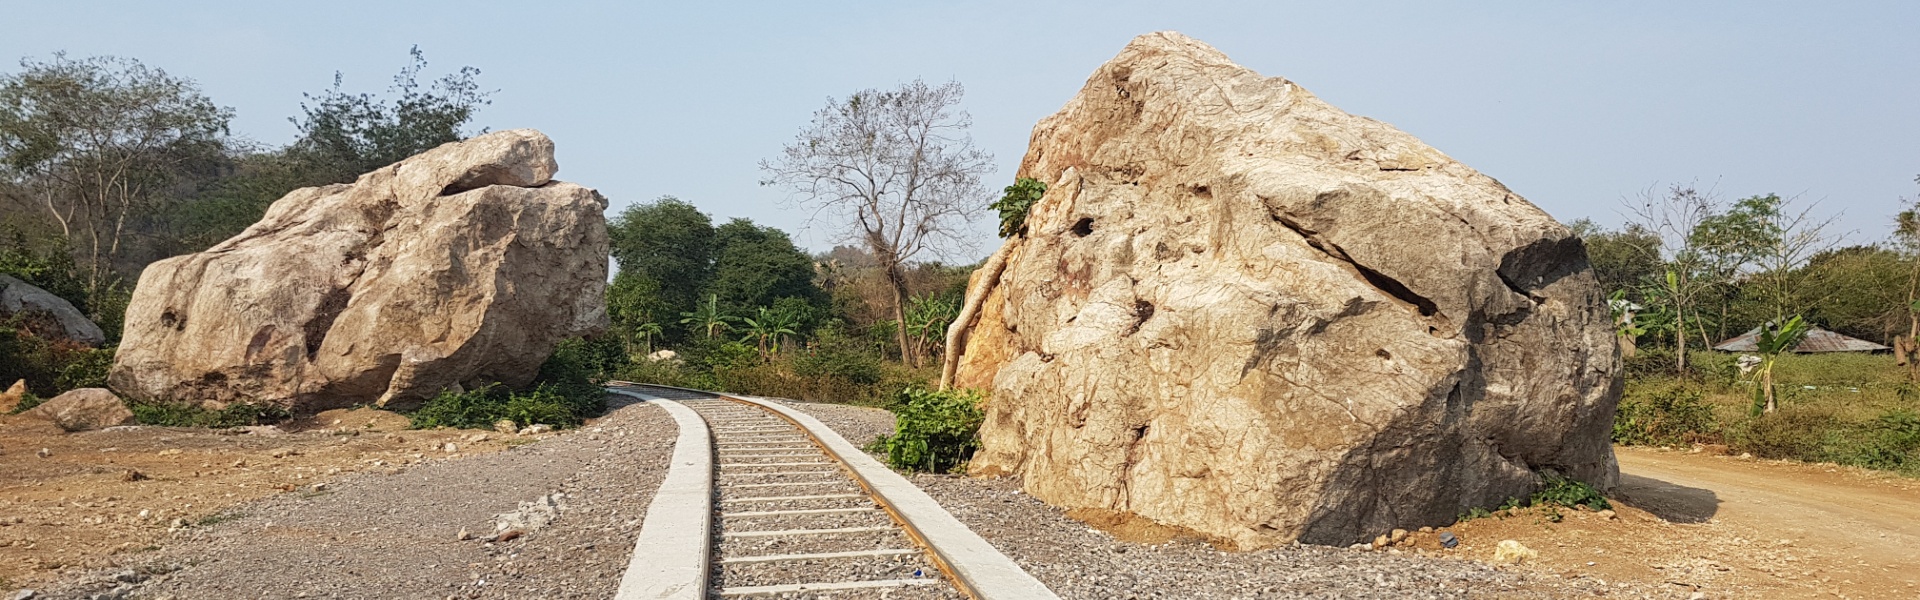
[792, 516]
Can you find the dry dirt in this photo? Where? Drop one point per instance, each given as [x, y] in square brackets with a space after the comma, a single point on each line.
[97, 496]
[1728, 527]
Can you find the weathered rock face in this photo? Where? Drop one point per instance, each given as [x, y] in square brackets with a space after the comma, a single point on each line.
[11, 398]
[47, 315]
[84, 409]
[462, 265]
[1243, 312]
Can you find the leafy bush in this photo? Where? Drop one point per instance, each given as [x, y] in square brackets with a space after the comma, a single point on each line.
[565, 394]
[27, 402]
[1663, 412]
[1014, 205]
[933, 431]
[88, 369]
[1563, 491]
[234, 415]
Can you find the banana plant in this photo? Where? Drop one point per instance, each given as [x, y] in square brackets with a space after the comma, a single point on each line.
[768, 325]
[709, 317]
[1773, 341]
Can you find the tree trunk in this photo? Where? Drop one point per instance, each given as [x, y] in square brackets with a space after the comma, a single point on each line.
[977, 291]
[898, 282]
[1680, 341]
[1766, 381]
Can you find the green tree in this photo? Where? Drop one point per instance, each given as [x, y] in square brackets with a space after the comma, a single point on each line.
[670, 244]
[347, 134]
[101, 144]
[1014, 203]
[754, 266]
[1623, 260]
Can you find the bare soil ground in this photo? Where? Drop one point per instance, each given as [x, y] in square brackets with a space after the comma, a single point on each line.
[99, 498]
[1729, 527]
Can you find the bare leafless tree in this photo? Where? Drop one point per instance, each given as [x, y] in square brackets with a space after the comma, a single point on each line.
[897, 167]
[1691, 271]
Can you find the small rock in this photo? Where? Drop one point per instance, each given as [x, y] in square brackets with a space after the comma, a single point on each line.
[508, 535]
[170, 452]
[478, 437]
[132, 475]
[1698, 596]
[536, 429]
[1397, 536]
[1382, 541]
[44, 452]
[1426, 530]
[1608, 514]
[463, 535]
[506, 426]
[284, 452]
[22, 595]
[319, 487]
[450, 447]
[1448, 539]
[1513, 552]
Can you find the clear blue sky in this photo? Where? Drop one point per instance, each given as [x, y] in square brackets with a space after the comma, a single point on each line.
[1575, 105]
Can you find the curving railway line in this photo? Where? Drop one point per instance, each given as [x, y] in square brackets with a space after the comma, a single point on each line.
[780, 506]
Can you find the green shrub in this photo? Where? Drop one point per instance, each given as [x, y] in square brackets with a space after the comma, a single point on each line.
[1017, 201]
[88, 369]
[933, 431]
[565, 394]
[1663, 412]
[1563, 491]
[234, 415]
[1795, 435]
[27, 402]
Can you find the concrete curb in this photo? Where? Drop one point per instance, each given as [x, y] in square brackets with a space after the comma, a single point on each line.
[673, 553]
[982, 570]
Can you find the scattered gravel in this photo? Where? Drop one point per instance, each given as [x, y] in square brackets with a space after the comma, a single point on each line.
[396, 535]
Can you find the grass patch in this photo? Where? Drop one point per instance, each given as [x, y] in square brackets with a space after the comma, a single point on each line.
[235, 415]
[27, 402]
[1843, 408]
[217, 518]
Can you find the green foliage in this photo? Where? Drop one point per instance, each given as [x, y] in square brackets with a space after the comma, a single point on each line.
[934, 431]
[1621, 260]
[1567, 492]
[756, 266]
[708, 318]
[87, 369]
[1771, 342]
[566, 393]
[349, 134]
[27, 402]
[234, 415]
[1014, 204]
[670, 244]
[1663, 412]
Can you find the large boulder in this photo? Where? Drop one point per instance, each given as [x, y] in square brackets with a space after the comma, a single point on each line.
[47, 315]
[1242, 312]
[83, 409]
[460, 266]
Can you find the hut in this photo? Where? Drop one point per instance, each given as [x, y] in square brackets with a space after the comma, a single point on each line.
[1818, 340]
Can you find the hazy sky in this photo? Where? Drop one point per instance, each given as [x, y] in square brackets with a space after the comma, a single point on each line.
[1573, 105]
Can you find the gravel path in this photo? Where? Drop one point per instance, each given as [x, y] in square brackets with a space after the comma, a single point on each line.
[395, 535]
[1079, 562]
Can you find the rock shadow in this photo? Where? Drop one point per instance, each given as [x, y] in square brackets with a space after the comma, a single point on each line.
[1671, 502]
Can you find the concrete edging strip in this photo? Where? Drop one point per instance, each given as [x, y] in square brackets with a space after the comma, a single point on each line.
[673, 553]
[984, 570]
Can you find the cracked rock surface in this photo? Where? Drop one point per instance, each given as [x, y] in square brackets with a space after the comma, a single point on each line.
[1242, 313]
[463, 264]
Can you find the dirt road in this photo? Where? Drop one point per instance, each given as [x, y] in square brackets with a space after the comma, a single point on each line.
[1857, 527]
[1725, 527]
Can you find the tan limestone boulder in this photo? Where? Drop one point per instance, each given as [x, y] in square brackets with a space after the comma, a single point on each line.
[84, 409]
[11, 398]
[1242, 312]
[460, 266]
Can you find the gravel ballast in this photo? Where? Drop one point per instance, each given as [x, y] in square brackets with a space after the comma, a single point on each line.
[1079, 562]
[395, 535]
